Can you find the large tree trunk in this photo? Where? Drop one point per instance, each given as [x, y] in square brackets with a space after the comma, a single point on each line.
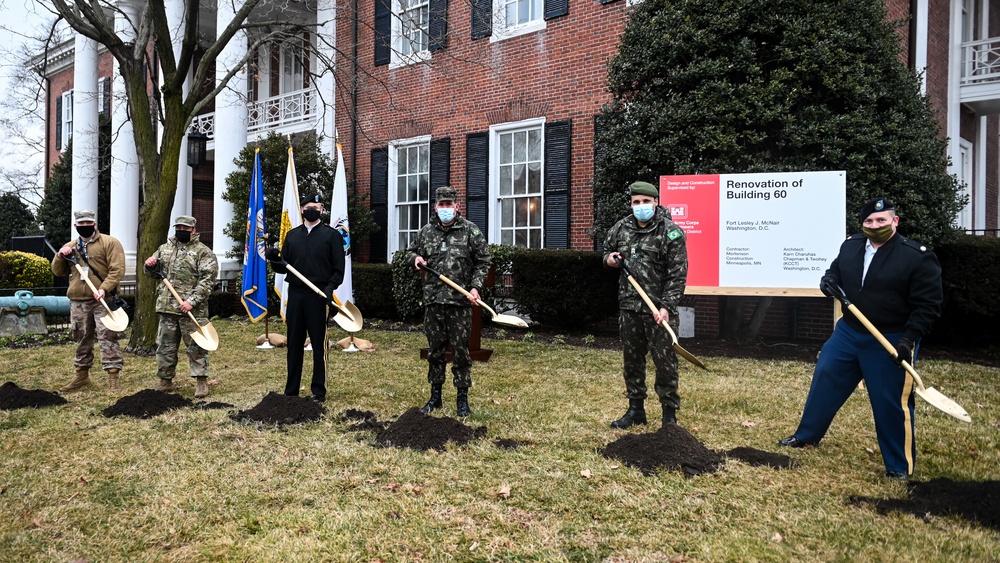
[731, 308]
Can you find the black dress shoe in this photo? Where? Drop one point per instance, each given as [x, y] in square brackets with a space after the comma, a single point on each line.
[319, 400]
[897, 476]
[792, 442]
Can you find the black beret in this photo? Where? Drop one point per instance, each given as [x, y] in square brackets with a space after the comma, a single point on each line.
[309, 199]
[875, 205]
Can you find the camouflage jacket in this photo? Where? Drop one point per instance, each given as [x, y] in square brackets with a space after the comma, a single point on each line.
[192, 269]
[656, 255]
[458, 251]
[106, 258]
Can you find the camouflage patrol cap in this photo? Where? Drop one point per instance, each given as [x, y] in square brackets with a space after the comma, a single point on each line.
[85, 215]
[445, 193]
[643, 188]
[185, 221]
[875, 205]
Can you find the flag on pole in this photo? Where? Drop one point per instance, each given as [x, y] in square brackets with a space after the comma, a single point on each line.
[338, 220]
[291, 217]
[254, 265]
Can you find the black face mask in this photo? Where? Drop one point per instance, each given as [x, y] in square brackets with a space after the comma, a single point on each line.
[183, 236]
[311, 214]
[86, 231]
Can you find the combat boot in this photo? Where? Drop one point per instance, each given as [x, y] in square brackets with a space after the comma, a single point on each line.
[200, 387]
[81, 379]
[669, 415]
[636, 414]
[435, 401]
[165, 385]
[113, 384]
[462, 402]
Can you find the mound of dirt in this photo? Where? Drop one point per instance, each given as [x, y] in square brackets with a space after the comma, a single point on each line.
[278, 409]
[761, 458]
[975, 501]
[363, 420]
[670, 447]
[146, 404]
[418, 431]
[13, 397]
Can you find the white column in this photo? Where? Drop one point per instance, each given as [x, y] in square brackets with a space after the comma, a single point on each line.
[85, 134]
[920, 42]
[326, 38]
[182, 199]
[124, 160]
[230, 137]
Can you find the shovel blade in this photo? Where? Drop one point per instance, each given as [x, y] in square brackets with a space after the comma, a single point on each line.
[348, 317]
[206, 337]
[116, 320]
[939, 401]
[510, 320]
[689, 356]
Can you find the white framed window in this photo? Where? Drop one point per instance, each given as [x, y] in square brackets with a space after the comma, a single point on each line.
[410, 31]
[964, 219]
[512, 18]
[409, 190]
[292, 65]
[516, 182]
[67, 119]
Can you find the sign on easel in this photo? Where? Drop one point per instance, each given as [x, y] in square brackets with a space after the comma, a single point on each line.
[758, 234]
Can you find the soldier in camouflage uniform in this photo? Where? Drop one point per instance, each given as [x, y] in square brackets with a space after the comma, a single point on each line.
[191, 267]
[103, 260]
[654, 249]
[456, 248]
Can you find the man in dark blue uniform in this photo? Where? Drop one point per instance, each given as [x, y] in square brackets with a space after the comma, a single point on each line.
[896, 284]
[315, 250]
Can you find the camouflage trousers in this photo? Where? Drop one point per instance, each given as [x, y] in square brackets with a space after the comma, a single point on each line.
[640, 335]
[86, 326]
[444, 325]
[172, 330]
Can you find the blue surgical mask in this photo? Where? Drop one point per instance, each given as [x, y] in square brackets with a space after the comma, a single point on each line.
[446, 214]
[643, 212]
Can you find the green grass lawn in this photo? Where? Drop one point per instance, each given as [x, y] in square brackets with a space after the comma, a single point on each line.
[194, 485]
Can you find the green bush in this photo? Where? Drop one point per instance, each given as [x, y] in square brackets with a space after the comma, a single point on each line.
[373, 290]
[225, 304]
[21, 270]
[564, 288]
[970, 271]
[406, 290]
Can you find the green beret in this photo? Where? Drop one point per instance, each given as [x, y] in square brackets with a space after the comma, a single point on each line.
[643, 188]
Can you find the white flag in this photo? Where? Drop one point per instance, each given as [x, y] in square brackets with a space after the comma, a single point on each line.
[338, 220]
[291, 217]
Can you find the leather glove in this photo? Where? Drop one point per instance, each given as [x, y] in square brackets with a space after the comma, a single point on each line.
[904, 351]
[828, 285]
[328, 291]
[272, 254]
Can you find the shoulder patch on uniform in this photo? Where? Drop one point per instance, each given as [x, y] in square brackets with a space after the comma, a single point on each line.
[475, 230]
[674, 234]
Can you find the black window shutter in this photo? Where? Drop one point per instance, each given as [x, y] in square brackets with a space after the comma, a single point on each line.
[557, 181]
[59, 101]
[482, 22]
[440, 166]
[556, 8]
[378, 245]
[383, 32]
[437, 28]
[107, 96]
[477, 180]
[598, 155]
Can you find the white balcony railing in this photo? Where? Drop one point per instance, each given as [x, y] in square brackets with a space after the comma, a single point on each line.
[981, 61]
[286, 109]
[270, 114]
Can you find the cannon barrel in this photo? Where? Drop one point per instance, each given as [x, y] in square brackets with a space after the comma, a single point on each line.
[23, 300]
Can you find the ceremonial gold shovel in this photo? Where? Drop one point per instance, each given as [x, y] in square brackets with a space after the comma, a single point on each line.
[509, 320]
[116, 320]
[933, 397]
[205, 336]
[649, 303]
[348, 316]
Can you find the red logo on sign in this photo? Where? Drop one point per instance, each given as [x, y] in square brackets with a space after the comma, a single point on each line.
[678, 210]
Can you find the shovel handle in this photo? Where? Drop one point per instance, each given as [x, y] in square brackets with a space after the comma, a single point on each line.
[312, 286]
[645, 297]
[90, 284]
[180, 301]
[455, 286]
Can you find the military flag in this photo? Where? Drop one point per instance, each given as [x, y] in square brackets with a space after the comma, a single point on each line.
[291, 217]
[338, 220]
[254, 288]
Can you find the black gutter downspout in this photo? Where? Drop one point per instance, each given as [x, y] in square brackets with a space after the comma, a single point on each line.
[911, 51]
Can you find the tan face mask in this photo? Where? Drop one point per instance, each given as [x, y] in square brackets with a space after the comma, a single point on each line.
[879, 235]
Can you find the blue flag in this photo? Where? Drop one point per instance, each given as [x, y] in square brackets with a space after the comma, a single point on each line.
[254, 264]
